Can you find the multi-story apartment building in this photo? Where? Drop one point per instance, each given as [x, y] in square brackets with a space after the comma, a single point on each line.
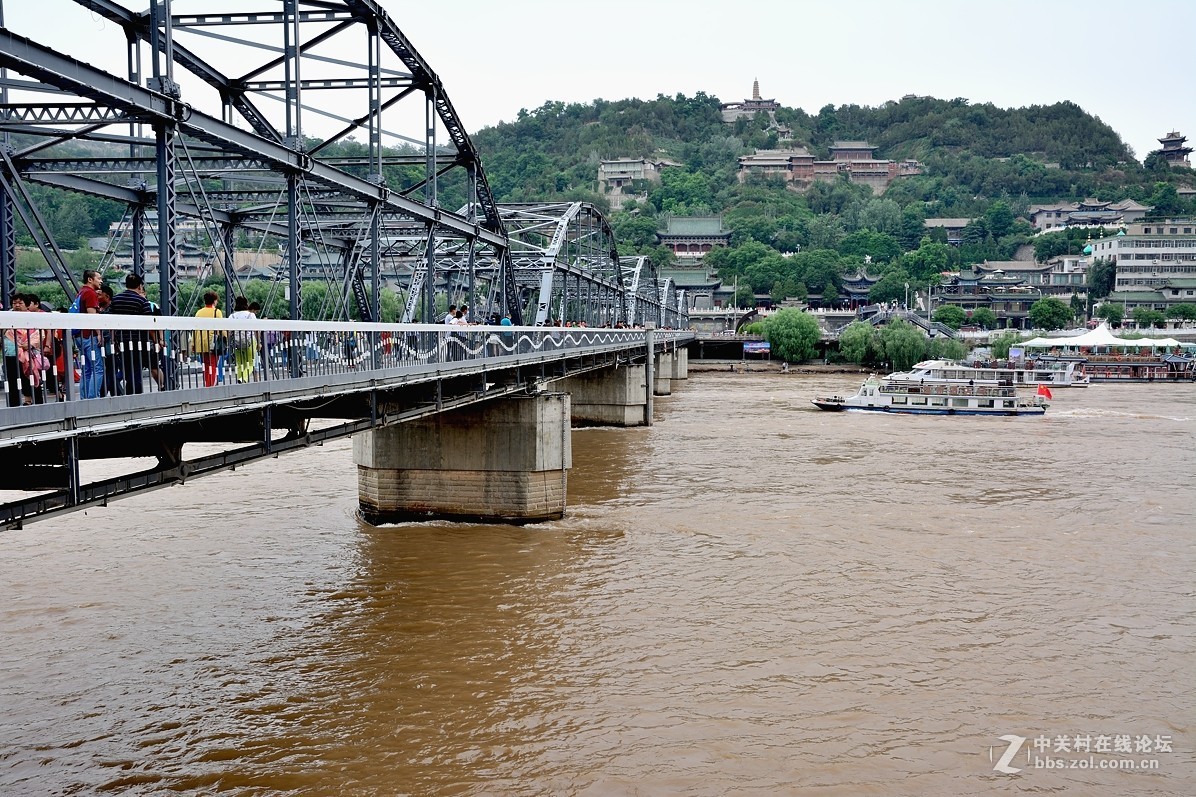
[1156, 263]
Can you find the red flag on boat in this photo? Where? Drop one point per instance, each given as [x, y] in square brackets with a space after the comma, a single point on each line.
[1045, 392]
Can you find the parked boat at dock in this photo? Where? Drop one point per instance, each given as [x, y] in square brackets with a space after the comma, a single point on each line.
[887, 395]
[1050, 371]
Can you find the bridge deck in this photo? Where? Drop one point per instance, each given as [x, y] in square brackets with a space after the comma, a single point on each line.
[363, 375]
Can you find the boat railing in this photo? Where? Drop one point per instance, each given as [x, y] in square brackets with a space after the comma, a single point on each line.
[986, 391]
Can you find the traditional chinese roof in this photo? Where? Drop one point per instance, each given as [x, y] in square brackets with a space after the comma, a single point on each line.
[1011, 265]
[695, 225]
[948, 223]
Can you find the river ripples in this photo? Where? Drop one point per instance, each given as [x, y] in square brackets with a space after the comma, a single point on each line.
[751, 597]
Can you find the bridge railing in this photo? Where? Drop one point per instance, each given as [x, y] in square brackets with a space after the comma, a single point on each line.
[112, 356]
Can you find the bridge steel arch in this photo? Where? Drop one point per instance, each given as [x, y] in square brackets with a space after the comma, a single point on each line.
[194, 150]
[186, 145]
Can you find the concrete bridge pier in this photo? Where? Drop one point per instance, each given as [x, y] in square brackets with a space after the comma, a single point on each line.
[504, 460]
[611, 397]
[680, 363]
[662, 385]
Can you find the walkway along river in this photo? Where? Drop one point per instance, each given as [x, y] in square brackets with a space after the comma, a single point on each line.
[750, 597]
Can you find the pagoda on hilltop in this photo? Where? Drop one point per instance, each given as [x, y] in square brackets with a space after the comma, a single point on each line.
[1174, 150]
[736, 110]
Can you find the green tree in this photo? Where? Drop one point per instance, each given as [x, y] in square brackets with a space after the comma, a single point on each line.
[877, 245]
[639, 230]
[984, 318]
[1111, 312]
[903, 344]
[927, 261]
[1078, 306]
[941, 348]
[1182, 312]
[950, 314]
[1156, 163]
[856, 341]
[1003, 343]
[1050, 313]
[1165, 200]
[1147, 317]
[793, 335]
[745, 296]
[999, 219]
[892, 287]
[1101, 276]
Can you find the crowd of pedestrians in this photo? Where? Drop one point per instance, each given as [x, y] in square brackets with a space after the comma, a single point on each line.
[115, 362]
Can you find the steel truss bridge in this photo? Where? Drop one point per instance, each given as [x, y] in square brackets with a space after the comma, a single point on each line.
[286, 385]
[313, 134]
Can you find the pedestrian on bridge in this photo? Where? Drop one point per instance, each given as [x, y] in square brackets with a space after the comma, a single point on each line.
[132, 346]
[88, 341]
[207, 344]
[244, 343]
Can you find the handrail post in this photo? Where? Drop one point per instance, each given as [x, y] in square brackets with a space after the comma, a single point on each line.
[649, 372]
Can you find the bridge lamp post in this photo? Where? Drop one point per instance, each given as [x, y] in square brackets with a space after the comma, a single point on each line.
[906, 305]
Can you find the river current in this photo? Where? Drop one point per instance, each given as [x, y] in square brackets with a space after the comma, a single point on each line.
[751, 597]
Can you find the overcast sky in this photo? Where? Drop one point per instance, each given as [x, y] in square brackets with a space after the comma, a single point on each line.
[1128, 63]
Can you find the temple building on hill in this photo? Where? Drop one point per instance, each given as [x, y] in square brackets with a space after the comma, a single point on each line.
[800, 170]
[1174, 150]
[691, 237]
[622, 179]
[953, 227]
[1088, 213]
[733, 111]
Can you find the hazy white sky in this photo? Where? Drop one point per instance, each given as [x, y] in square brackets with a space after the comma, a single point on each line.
[1128, 63]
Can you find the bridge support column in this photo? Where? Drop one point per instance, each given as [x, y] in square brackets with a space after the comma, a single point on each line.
[610, 397]
[680, 363]
[662, 385]
[504, 460]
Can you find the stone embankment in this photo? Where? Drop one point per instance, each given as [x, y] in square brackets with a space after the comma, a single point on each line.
[772, 366]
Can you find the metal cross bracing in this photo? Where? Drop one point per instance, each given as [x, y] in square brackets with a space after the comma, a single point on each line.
[242, 123]
[208, 141]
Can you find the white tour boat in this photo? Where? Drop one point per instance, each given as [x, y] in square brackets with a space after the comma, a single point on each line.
[1052, 373]
[886, 395]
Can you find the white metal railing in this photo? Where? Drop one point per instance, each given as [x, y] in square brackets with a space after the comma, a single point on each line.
[121, 355]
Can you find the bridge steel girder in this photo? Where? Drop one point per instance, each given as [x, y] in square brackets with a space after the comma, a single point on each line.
[371, 225]
[25, 56]
[69, 94]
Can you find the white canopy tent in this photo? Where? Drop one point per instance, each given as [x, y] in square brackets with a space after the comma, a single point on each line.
[1100, 337]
